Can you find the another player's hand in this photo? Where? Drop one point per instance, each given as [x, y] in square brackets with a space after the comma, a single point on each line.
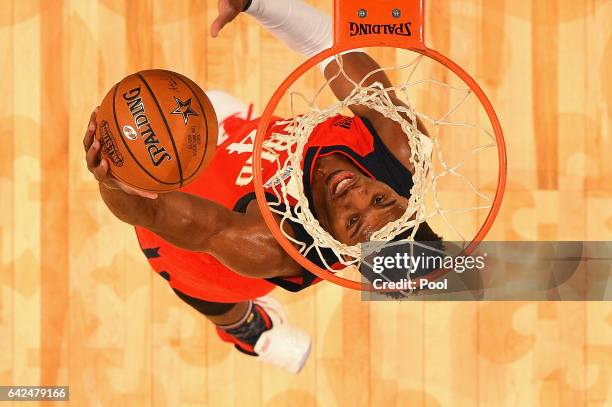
[228, 11]
[98, 165]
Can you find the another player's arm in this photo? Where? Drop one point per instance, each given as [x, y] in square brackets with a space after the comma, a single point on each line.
[242, 242]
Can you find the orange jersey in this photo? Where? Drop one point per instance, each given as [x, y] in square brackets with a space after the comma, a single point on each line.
[228, 180]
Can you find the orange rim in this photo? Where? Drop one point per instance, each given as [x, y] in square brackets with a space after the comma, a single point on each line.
[344, 43]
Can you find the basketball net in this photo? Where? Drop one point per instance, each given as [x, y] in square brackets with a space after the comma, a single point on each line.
[289, 194]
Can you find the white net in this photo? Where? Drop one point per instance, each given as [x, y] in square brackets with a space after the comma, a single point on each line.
[469, 193]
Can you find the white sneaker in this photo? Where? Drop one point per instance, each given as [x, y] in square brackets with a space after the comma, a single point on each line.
[269, 337]
[283, 345]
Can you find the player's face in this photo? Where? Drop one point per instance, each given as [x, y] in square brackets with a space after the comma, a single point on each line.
[350, 205]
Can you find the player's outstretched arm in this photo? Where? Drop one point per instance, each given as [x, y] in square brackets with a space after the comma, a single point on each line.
[242, 242]
[307, 30]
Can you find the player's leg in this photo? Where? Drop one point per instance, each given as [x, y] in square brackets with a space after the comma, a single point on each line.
[219, 313]
[256, 328]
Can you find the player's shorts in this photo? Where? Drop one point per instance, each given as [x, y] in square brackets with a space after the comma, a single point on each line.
[198, 275]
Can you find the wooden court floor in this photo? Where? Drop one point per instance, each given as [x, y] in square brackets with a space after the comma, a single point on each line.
[80, 307]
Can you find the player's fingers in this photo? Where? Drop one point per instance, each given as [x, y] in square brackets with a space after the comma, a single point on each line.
[93, 155]
[94, 114]
[217, 25]
[89, 135]
[91, 129]
[101, 171]
[225, 16]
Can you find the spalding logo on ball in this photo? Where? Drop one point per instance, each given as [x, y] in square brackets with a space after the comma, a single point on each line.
[157, 129]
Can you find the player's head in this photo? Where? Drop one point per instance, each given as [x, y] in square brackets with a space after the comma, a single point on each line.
[350, 205]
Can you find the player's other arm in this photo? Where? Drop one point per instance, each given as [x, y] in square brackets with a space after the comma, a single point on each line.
[241, 242]
[308, 31]
[358, 67]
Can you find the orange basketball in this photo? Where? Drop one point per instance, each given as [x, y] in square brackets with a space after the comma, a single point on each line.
[157, 129]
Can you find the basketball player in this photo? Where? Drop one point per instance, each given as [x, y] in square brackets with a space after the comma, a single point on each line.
[210, 241]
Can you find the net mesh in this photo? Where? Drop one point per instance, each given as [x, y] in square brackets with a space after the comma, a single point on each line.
[429, 160]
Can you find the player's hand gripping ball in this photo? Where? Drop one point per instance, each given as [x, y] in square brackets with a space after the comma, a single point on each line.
[157, 129]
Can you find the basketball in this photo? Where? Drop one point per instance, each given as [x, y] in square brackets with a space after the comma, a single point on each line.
[158, 130]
